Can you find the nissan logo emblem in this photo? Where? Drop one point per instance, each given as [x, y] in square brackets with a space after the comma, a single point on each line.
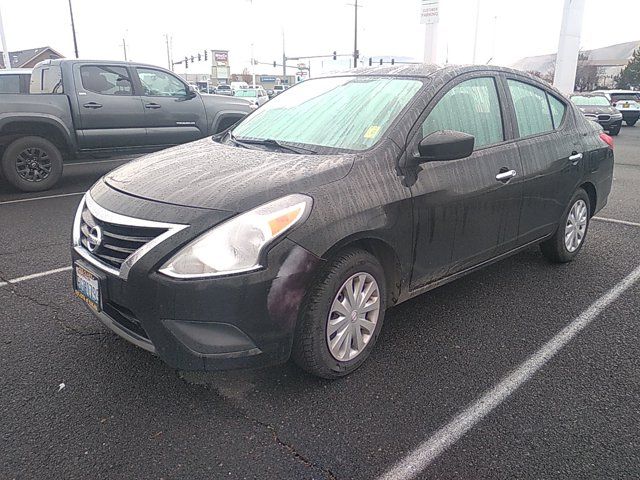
[94, 239]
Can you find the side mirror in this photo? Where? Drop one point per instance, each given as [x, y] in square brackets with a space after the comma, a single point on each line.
[445, 145]
[191, 91]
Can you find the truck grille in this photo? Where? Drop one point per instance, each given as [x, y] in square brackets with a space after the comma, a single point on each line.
[117, 242]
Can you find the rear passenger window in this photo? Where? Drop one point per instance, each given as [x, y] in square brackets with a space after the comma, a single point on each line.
[557, 110]
[532, 110]
[471, 107]
[106, 80]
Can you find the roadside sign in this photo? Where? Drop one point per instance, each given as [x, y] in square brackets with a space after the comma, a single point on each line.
[429, 11]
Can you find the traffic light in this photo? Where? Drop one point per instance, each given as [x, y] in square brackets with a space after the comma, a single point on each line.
[335, 55]
[192, 59]
[393, 61]
[381, 61]
[274, 64]
[369, 61]
[186, 62]
[206, 56]
[199, 57]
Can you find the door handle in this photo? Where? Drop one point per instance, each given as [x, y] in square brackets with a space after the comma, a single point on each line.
[575, 157]
[92, 105]
[506, 175]
[152, 105]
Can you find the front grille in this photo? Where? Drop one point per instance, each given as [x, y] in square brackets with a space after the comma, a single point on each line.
[125, 318]
[604, 117]
[118, 241]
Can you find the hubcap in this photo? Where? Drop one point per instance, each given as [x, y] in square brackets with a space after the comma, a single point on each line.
[353, 316]
[576, 226]
[33, 164]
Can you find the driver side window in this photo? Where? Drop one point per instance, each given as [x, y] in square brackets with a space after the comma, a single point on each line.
[156, 83]
[471, 107]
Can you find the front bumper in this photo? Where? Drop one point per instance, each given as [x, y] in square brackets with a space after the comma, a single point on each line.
[239, 321]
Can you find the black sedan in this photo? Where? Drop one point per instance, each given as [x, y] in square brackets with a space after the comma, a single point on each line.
[597, 108]
[290, 234]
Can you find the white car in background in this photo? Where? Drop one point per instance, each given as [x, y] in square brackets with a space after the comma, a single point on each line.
[257, 96]
[627, 102]
[278, 89]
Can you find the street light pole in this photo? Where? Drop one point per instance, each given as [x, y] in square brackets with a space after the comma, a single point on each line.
[5, 51]
[355, 36]
[73, 29]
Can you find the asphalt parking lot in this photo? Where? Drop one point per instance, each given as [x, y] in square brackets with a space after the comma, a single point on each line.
[122, 413]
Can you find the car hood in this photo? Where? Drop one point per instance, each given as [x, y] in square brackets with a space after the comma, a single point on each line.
[598, 109]
[206, 174]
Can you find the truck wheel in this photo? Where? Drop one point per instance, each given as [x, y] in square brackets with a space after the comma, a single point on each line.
[32, 164]
[631, 123]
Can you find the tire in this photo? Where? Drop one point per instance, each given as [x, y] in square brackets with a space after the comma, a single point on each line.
[615, 129]
[46, 171]
[555, 248]
[631, 123]
[311, 350]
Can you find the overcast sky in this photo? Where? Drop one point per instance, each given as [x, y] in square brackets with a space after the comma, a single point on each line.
[509, 29]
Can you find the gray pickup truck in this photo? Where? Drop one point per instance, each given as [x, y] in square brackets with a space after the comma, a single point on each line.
[81, 108]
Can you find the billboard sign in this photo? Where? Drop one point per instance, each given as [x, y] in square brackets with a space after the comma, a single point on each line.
[221, 58]
[429, 11]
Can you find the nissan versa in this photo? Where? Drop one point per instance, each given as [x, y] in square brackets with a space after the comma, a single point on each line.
[290, 234]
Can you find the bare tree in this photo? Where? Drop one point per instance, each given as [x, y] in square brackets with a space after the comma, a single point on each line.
[586, 74]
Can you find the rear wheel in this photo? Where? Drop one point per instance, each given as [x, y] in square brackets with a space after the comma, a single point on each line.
[615, 129]
[32, 164]
[631, 123]
[568, 240]
[342, 316]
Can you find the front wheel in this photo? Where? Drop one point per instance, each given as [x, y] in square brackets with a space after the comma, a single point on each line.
[342, 316]
[568, 240]
[631, 123]
[32, 164]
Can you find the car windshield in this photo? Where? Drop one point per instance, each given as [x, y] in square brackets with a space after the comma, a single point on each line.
[625, 96]
[584, 100]
[349, 113]
[246, 93]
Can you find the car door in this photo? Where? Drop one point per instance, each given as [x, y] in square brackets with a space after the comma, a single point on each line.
[173, 114]
[110, 113]
[465, 210]
[552, 156]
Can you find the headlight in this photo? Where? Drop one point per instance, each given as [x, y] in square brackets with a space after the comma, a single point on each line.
[237, 245]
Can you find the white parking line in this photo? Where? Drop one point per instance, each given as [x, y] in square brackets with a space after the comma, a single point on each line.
[422, 456]
[34, 275]
[21, 200]
[615, 220]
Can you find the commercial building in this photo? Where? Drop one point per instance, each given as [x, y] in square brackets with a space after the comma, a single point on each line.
[609, 60]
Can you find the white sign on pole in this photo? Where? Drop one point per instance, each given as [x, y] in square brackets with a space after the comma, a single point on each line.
[429, 11]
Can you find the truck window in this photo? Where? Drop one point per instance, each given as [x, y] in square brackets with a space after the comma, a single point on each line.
[106, 80]
[9, 84]
[46, 79]
[157, 83]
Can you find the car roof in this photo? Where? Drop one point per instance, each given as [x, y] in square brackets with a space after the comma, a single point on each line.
[425, 70]
[60, 61]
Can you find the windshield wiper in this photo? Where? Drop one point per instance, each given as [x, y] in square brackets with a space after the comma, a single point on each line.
[269, 142]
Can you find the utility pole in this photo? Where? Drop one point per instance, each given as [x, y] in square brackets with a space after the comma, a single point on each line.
[475, 35]
[355, 35]
[284, 59]
[5, 50]
[124, 47]
[73, 29]
[166, 37]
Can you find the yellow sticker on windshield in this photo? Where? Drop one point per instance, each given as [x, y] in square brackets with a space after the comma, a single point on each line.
[372, 131]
